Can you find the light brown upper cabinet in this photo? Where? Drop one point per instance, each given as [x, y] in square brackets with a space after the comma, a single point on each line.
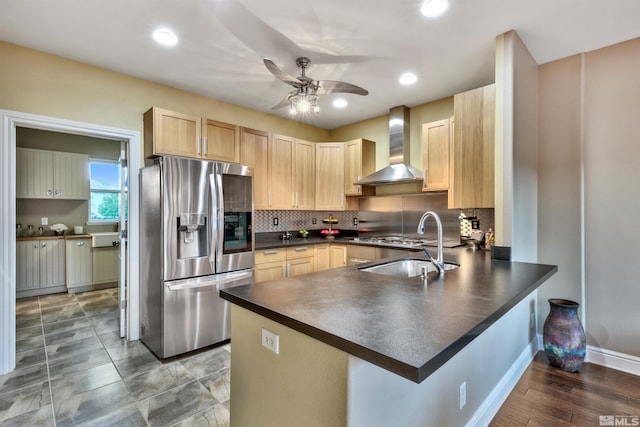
[304, 175]
[435, 155]
[473, 149]
[281, 172]
[173, 133]
[254, 152]
[359, 161]
[330, 176]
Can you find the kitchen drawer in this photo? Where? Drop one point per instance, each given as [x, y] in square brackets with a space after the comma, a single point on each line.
[357, 254]
[270, 255]
[299, 252]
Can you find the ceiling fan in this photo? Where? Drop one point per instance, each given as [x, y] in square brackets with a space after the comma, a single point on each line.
[304, 98]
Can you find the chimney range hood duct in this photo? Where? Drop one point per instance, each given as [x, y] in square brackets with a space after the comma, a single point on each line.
[399, 170]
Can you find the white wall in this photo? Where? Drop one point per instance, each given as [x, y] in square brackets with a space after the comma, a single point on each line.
[516, 148]
[589, 197]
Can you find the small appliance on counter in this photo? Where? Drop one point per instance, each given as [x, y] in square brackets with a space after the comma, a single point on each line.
[196, 238]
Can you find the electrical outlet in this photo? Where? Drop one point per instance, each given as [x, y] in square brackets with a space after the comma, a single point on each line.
[355, 221]
[532, 322]
[270, 341]
[44, 221]
[475, 224]
[314, 221]
[463, 394]
[275, 220]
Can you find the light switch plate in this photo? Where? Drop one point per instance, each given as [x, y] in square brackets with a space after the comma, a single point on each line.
[44, 221]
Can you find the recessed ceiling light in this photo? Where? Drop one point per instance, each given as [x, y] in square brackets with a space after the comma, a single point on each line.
[433, 8]
[340, 103]
[165, 37]
[407, 79]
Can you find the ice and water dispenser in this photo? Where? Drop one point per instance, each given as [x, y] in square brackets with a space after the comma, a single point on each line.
[192, 235]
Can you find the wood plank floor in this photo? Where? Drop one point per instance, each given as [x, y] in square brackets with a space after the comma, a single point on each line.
[548, 396]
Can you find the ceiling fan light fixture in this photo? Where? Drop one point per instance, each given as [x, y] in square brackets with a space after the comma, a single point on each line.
[303, 103]
[165, 37]
[407, 79]
[433, 8]
[340, 103]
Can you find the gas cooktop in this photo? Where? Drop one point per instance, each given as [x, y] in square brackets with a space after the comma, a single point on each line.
[402, 242]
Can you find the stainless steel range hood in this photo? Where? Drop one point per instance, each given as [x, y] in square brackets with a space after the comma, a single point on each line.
[399, 170]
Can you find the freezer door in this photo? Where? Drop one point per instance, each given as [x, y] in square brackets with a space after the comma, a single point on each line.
[194, 314]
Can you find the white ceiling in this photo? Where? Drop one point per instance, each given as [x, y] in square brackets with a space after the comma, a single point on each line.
[365, 42]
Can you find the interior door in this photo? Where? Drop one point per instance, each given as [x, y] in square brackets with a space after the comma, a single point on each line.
[124, 265]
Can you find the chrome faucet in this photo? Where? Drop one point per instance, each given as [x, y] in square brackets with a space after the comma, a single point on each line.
[439, 261]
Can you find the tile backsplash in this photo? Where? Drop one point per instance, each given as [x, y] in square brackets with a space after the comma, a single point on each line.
[296, 220]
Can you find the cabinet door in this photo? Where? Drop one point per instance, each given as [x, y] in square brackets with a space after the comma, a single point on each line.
[435, 155]
[330, 176]
[269, 271]
[304, 175]
[79, 263]
[221, 141]
[52, 263]
[173, 133]
[34, 174]
[472, 179]
[106, 264]
[281, 172]
[254, 152]
[359, 161]
[338, 255]
[70, 176]
[322, 257]
[300, 266]
[27, 264]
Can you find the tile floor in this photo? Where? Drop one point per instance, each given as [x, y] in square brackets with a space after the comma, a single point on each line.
[73, 369]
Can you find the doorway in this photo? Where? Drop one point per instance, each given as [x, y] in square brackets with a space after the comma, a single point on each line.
[9, 122]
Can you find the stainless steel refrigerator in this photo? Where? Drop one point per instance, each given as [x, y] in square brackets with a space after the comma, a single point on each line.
[196, 237]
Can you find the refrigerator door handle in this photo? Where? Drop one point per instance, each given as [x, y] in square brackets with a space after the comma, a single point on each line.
[185, 285]
[217, 220]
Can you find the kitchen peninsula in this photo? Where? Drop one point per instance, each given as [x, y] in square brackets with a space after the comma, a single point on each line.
[355, 348]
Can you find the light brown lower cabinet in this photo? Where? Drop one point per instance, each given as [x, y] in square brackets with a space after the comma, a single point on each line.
[272, 264]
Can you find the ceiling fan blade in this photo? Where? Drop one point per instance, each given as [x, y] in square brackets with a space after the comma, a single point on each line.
[262, 38]
[284, 102]
[279, 73]
[331, 86]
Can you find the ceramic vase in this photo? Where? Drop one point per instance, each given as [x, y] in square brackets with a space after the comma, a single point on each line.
[564, 339]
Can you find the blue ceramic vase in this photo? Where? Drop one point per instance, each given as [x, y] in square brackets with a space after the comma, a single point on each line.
[564, 339]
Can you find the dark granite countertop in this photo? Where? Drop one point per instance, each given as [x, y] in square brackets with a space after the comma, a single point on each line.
[397, 323]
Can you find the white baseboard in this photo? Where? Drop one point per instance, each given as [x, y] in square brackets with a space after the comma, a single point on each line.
[613, 359]
[489, 408]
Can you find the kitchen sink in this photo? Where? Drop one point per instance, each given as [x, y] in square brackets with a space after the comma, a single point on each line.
[406, 267]
[105, 239]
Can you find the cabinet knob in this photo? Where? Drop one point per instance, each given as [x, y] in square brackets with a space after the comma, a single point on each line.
[58, 192]
[35, 245]
[49, 192]
[80, 243]
[44, 245]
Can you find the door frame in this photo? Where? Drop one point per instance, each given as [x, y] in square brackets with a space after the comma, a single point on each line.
[9, 120]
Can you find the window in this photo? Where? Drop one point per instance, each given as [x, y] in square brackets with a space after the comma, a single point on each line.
[104, 205]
